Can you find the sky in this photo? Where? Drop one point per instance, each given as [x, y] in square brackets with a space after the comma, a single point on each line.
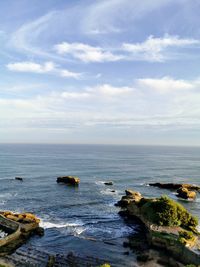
[100, 72]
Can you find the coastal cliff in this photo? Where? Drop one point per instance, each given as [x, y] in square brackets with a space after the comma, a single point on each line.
[169, 225]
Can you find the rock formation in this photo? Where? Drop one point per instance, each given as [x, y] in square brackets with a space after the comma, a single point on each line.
[18, 226]
[169, 225]
[71, 180]
[174, 186]
[185, 191]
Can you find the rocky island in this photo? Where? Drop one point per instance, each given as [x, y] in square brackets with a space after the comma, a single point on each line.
[169, 225]
[70, 180]
[185, 191]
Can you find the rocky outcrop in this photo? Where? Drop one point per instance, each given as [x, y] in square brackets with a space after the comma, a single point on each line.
[29, 256]
[18, 228]
[128, 198]
[70, 180]
[183, 192]
[168, 224]
[174, 186]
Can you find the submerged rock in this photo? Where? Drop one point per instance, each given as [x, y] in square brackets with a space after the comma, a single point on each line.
[71, 180]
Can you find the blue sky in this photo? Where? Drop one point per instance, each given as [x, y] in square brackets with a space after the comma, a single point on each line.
[107, 71]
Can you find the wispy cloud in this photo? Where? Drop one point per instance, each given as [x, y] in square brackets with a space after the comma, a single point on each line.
[154, 49]
[86, 53]
[47, 67]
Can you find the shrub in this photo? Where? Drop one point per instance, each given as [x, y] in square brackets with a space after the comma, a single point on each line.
[186, 234]
[166, 212]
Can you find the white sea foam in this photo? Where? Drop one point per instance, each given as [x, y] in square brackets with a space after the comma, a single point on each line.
[100, 182]
[47, 224]
[109, 233]
[108, 191]
[6, 195]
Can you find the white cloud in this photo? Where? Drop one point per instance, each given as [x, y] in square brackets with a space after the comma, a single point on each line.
[98, 92]
[111, 91]
[94, 107]
[166, 84]
[86, 53]
[70, 74]
[153, 48]
[31, 67]
[47, 67]
[74, 95]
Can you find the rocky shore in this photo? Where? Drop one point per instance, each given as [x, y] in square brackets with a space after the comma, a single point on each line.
[168, 225]
[17, 228]
[168, 237]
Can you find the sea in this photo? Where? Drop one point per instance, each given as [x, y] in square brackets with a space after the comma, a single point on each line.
[84, 219]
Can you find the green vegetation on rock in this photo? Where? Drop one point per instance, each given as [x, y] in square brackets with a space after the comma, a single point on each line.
[185, 236]
[105, 265]
[164, 211]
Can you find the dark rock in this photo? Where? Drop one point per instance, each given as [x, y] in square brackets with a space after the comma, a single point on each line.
[71, 180]
[19, 178]
[108, 183]
[126, 253]
[39, 231]
[123, 213]
[174, 186]
[126, 244]
[143, 257]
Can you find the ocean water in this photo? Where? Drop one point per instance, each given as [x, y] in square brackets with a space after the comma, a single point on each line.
[84, 219]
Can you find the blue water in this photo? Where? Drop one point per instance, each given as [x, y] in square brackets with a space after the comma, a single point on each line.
[85, 219]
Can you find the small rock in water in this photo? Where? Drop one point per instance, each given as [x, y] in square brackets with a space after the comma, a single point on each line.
[108, 183]
[71, 180]
[19, 178]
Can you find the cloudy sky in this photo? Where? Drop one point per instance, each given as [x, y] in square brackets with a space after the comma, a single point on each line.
[100, 71]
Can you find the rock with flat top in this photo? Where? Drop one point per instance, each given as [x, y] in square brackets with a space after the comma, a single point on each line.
[174, 186]
[130, 196]
[70, 180]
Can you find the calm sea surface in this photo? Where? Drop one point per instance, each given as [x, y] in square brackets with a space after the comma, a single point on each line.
[84, 219]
